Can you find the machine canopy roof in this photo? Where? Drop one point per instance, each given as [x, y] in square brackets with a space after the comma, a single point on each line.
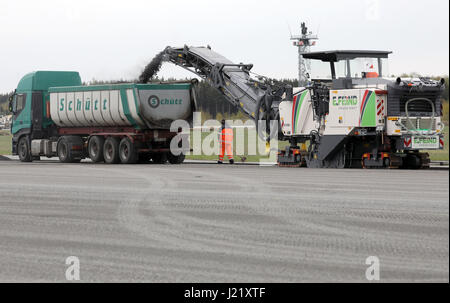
[338, 55]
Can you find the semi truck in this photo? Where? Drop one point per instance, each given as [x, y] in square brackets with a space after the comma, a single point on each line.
[352, 115]
[55, 115]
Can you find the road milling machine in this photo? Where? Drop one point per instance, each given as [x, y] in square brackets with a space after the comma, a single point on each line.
[352, 114]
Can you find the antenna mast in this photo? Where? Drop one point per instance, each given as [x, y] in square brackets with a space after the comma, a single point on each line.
[304, 43]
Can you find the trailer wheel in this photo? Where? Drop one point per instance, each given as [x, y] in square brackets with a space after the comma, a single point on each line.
[111, 150]
[95, 148]
[23, 149]
[128, 151]
[175, 159]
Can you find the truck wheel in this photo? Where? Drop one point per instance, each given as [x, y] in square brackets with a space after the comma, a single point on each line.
[159, 158]
[127, 151]
[95, 148]
[64, 151]
[23, 149]
[175, 159]
[413, 161]
[111, 150]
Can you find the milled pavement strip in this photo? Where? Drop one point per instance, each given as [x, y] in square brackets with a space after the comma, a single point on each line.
[177, 221]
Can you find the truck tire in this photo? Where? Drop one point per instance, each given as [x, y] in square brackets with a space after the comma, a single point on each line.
[64, 151]
[111, 150]
[95, 148]
[127, 151]
[23, 149]
[411, 161]
[175, 159]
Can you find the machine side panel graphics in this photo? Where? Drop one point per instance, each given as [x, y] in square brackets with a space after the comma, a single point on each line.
[367, 110]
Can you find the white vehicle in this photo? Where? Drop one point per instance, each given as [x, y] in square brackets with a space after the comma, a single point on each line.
[358, 117]
[352, 114]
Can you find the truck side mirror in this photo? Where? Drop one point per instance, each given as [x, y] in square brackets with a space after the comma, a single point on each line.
[11, 103]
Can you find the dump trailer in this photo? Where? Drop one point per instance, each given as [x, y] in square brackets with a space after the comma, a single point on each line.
[55, 115]
[352, 116]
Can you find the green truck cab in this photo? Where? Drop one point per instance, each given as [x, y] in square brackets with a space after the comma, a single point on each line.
[30, 105]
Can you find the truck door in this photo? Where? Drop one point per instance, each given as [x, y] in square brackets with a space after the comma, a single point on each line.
[19, 119]
[36, 114]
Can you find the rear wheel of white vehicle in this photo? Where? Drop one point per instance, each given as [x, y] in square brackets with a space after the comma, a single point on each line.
[95, 148]
[175, 159]
[127, 151]
[111, 150]
[387, 162]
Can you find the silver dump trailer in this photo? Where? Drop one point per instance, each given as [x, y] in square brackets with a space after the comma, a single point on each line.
[141, 106]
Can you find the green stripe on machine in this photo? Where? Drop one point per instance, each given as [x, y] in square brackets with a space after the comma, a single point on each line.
[368, 117]
[297, 114]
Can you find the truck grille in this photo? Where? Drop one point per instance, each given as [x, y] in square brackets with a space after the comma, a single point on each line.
[418, 123]
[399, 95]
[417, 106]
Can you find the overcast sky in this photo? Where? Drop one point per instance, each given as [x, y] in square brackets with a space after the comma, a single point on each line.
[115, 39]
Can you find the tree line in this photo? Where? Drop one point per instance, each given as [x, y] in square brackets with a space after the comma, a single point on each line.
[4, 103]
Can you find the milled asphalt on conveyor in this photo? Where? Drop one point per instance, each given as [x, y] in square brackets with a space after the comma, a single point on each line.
[210, 223]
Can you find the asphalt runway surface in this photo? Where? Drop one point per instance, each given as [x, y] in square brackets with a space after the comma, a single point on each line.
[211, 223]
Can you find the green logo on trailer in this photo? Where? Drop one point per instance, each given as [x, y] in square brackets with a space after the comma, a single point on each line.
[171, 101]
[153, 101]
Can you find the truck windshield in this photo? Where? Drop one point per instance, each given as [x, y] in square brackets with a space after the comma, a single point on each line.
[354, 68]
[362, 68]
[320, 70]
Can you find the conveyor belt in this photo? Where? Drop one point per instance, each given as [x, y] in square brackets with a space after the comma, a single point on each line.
[233, 80]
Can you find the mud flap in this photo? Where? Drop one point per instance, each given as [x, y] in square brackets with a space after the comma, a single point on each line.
[330, 145]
